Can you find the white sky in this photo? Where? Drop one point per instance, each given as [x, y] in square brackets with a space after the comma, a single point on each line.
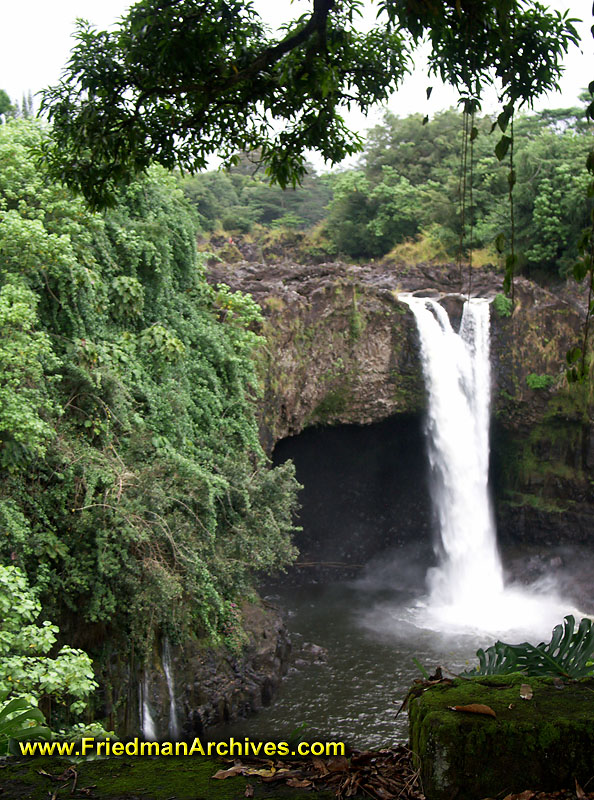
[36, 42]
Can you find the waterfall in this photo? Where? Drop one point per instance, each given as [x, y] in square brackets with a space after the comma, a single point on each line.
[174, 728]
[467, 587]
[147, 723]
[457, 375]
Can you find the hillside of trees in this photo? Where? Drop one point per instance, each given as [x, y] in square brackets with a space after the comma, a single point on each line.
[404, 196]
[135, 498]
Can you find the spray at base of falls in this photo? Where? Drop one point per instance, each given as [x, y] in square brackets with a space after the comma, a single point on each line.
[467, 589]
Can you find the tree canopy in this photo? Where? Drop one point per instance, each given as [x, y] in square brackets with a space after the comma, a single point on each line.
[181, 80]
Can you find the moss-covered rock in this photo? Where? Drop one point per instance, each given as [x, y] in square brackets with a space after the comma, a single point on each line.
[544, 743]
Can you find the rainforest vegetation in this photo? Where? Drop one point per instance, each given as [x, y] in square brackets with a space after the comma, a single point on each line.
[402, 199]
[135, 497]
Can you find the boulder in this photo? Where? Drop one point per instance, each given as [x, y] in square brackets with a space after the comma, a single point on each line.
[540, 738]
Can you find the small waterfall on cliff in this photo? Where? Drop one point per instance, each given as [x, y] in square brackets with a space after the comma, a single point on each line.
[174, 727]
[147, 723]
[467, 588]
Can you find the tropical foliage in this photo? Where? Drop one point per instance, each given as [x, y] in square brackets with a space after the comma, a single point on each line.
[238, 199]
[27, 672]
[411, 176]
[570, 654]
[177, 82]
[19, 720]
[135, 495]
[404, 196]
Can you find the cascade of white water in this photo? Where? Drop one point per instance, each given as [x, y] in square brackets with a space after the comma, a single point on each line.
[147, 723]
[174, 727]
[456, 368]
[467, 587]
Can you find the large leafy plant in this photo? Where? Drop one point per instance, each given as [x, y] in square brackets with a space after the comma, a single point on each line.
[19, 720]
[27, 670]
[569, 654]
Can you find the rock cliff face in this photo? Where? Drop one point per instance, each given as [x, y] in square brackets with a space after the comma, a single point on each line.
[186, 689]
[341, 348]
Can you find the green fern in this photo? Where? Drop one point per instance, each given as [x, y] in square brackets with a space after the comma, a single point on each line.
[569, 654]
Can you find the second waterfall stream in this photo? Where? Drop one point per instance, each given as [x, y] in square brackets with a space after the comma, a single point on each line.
[467, 587]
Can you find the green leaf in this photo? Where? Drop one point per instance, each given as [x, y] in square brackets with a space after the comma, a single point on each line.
[14, 705]
[504, 118]
[421, 668]
[568, 653]
[16, 726]
[511, 178]
[500, 243]
[502, 147]
[31, 713]
[474, 132]
[429, 90]
[580, 269]
[573, 355]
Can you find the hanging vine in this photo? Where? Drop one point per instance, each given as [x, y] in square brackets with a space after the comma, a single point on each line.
[505, 144]
[462, 190]
[473, 135]
[465, 184]
[577, 357]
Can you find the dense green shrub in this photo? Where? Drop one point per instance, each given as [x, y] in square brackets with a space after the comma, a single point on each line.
[409, 180]
[135, 496]
[535, 381]
[27, 670]
[503, 306]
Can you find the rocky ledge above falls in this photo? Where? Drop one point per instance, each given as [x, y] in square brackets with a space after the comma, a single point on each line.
[341, 348]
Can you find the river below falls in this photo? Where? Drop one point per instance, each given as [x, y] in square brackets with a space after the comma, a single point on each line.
[352, 687]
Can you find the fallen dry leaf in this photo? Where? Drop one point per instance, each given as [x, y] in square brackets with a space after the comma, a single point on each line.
[249, 790]
[579, 792]
[319, 765]
[263, 773]
[296, 783]
[526, 692]
[475, 708]
[228, 773]
[338, 764]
